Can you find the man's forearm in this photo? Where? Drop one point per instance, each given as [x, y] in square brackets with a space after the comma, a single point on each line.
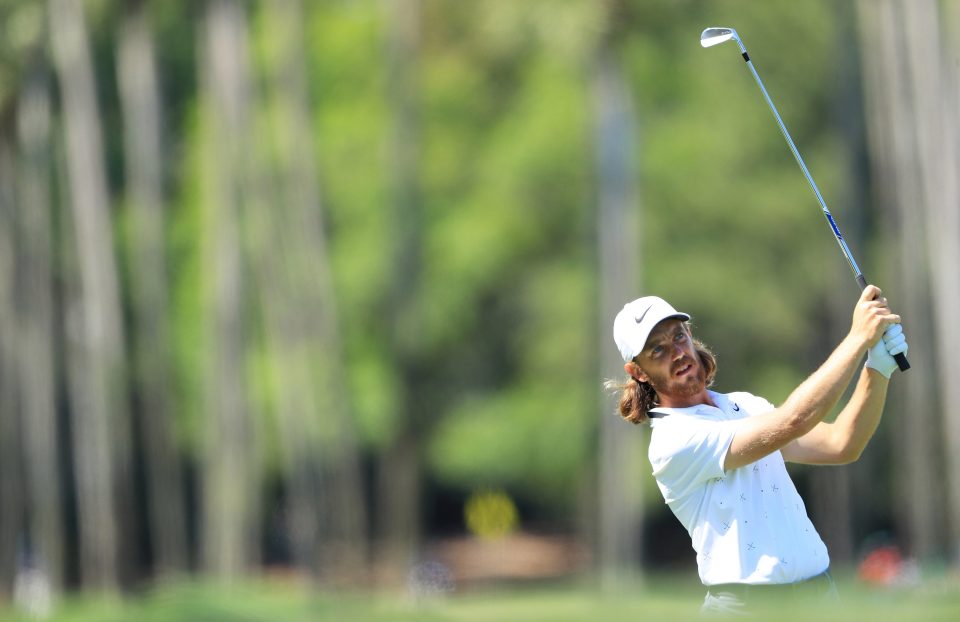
[803, 410]
[818, 394]
[856, 423]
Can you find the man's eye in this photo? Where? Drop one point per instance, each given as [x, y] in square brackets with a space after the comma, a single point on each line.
[679, 337]
[657, 350]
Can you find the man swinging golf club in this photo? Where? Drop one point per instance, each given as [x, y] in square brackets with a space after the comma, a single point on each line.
[718, 458]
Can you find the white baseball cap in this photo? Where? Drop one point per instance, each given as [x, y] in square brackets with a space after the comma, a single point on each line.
[633, 324]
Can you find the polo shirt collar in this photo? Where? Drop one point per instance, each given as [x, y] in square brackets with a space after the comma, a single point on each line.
[699, 410]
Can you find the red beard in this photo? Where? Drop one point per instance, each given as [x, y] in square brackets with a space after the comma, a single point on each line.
[687, 385]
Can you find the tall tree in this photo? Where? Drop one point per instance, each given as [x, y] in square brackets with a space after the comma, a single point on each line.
[896, 158]
[327, 521]
[231, 469]
[101, 439]
[933, 82]
[42, 462]
[141, 105]
[399, 493]
[11, 490]
[944, 252]
[620, 451]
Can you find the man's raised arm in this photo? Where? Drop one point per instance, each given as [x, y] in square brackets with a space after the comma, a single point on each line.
[810, 402]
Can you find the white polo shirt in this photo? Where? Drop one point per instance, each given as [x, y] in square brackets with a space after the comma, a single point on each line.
[748, 525]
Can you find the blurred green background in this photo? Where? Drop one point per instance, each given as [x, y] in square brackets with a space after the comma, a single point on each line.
[306, 306]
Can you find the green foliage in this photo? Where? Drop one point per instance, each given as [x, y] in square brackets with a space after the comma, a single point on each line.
[728, 229]
[751, 269]
[21, 34]
[347, 82]
[506, 346]
[185, 256]
[507, 322]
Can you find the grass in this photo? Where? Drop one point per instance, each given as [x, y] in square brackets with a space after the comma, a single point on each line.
[659, 598]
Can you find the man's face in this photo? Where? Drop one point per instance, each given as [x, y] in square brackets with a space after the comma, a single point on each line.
[669, 362]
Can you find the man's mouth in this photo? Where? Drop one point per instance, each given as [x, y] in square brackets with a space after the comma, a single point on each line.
[683, 369]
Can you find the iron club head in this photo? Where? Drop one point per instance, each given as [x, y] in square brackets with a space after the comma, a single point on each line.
[717, 35]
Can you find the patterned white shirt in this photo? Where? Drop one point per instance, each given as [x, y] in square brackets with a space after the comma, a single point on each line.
[747, 525]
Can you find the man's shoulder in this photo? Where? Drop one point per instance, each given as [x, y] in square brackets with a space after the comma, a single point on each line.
[754, 404]
[744, 396]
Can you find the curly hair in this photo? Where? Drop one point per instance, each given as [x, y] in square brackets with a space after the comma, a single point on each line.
[638, 398]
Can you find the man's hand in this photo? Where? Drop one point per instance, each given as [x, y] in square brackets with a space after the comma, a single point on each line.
[871, 317]
[880, 356]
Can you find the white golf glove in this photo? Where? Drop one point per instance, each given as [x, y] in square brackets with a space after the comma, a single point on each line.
[880, 356]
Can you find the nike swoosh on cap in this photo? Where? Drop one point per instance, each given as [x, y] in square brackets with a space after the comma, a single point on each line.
[640, 319]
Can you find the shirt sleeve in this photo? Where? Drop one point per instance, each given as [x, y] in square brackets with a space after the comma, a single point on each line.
[754, 404]
[686, 452]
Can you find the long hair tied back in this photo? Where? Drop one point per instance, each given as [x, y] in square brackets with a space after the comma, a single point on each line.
[638, 398]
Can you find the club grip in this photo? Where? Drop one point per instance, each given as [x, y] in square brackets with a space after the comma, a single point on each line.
[901, 360]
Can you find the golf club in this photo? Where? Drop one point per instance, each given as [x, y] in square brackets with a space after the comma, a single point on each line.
[715, 36]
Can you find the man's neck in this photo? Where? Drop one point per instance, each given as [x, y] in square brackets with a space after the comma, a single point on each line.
[684, 401]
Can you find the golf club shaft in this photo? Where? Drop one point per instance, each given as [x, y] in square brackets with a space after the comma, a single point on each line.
[902, 362]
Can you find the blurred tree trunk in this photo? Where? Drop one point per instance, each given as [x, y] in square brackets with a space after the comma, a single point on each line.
[143, 151]
[896, 159]
[36, 327]
[945, 257]
[933, 83]
[231, 476]
[400, 467]
[621, 452]
[11, 491]
[100, 427]
[326, 508]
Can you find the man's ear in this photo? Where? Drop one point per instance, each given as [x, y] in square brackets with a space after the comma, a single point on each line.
[633, 370]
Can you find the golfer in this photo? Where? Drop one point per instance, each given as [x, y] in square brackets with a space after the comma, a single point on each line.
[718, 458]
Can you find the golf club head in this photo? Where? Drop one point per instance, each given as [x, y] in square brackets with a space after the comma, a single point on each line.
[717, 35]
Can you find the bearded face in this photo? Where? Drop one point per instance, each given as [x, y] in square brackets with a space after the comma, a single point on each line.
[670, 364]
[685, 378]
